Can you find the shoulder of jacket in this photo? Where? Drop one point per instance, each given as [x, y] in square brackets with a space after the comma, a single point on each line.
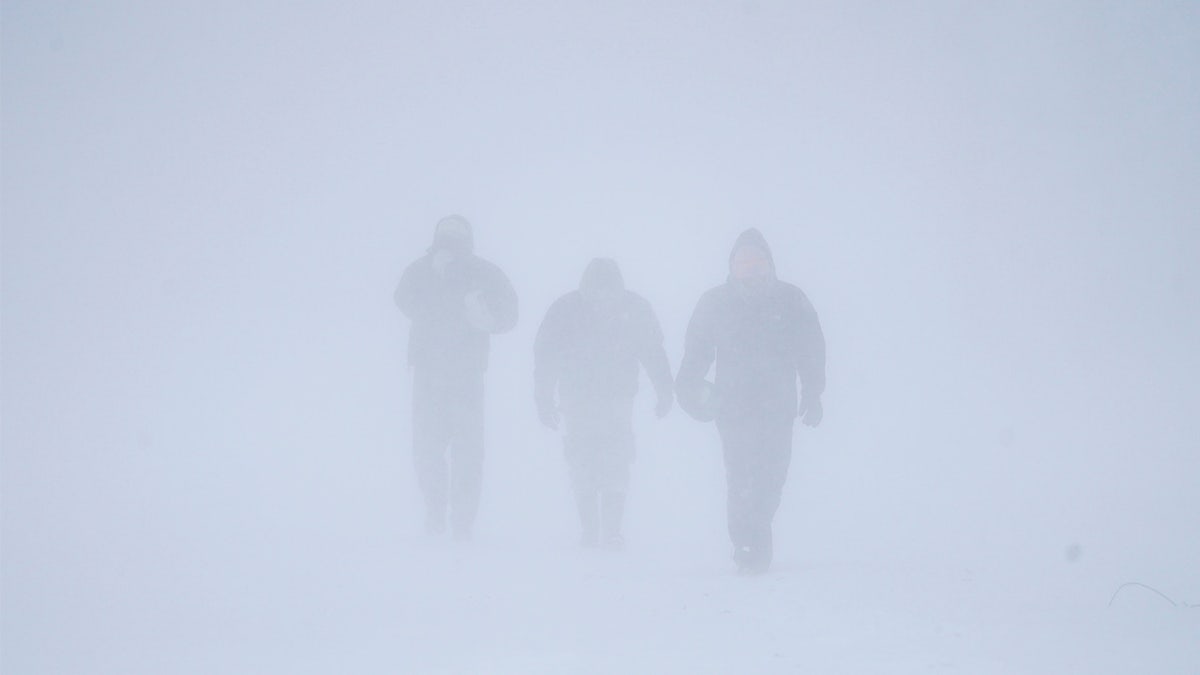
[484, 265]
[565, 304]
[722, 296]
[640, 310]
[717, 293]
[420, 265]
[797, 296]
[636, 302]
[568, 299]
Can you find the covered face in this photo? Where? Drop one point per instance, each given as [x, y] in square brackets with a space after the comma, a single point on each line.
[750, 261]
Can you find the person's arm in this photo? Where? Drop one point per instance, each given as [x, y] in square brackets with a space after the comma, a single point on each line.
[501, 300]
[547, 365]
[406, 295]
[699, 347]
[810, 362]
[653, 358]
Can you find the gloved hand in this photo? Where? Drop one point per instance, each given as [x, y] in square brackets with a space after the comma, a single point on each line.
[811, 411]
[664, 403]
[548, 415]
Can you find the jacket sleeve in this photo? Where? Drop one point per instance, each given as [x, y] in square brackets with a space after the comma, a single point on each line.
[501, 299]
[699, 346]
[547, 356]
[407, 295]
[810, 351]
[652, 355]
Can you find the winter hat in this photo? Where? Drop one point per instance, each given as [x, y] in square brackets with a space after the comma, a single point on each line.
[453, 231]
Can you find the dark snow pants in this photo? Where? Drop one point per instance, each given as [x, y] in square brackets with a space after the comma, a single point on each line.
[448, 420]
[758, 450]
[599, 448]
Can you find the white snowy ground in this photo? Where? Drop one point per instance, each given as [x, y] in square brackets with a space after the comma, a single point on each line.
[507, 607]
[682, 611]
[518, 607]
[345, 588]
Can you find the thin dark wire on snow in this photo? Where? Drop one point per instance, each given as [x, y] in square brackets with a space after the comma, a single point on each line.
[1149, 588]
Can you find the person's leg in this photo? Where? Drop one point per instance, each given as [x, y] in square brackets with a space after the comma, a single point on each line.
[580, 452]
[616, 456]
[738, 441]
[466, 453]
[431, 434]
[587, 503]
[773, 457]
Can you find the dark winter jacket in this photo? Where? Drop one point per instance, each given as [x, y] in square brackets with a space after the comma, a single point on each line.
[446, 335]
[761, 338]
[591, 342]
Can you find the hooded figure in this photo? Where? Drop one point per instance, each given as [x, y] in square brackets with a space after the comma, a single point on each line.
[455, 300]
[763, 335]
[587, 352]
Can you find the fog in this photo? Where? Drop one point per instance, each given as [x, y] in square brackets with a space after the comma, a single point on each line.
[206, 461]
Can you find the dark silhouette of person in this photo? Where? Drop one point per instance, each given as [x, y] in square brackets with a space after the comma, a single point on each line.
[587, 352]
[456, 301]
[762, 334]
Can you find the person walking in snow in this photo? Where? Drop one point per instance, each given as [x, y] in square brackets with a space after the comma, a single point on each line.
[456, 301]
[587, 354]
[762, 333]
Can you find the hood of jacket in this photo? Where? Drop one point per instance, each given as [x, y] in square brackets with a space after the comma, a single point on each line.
[602, 277]
[751, 237]
[453, 232]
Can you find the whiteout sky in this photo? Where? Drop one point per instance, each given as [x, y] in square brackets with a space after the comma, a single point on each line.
[206, 206]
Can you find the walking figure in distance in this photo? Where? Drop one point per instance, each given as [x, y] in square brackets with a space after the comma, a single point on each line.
[456, 301]
[762, 334]
[586, 365]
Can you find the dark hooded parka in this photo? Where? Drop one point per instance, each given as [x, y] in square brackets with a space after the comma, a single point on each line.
[455, 300]
[587, 355]
[763, 335]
